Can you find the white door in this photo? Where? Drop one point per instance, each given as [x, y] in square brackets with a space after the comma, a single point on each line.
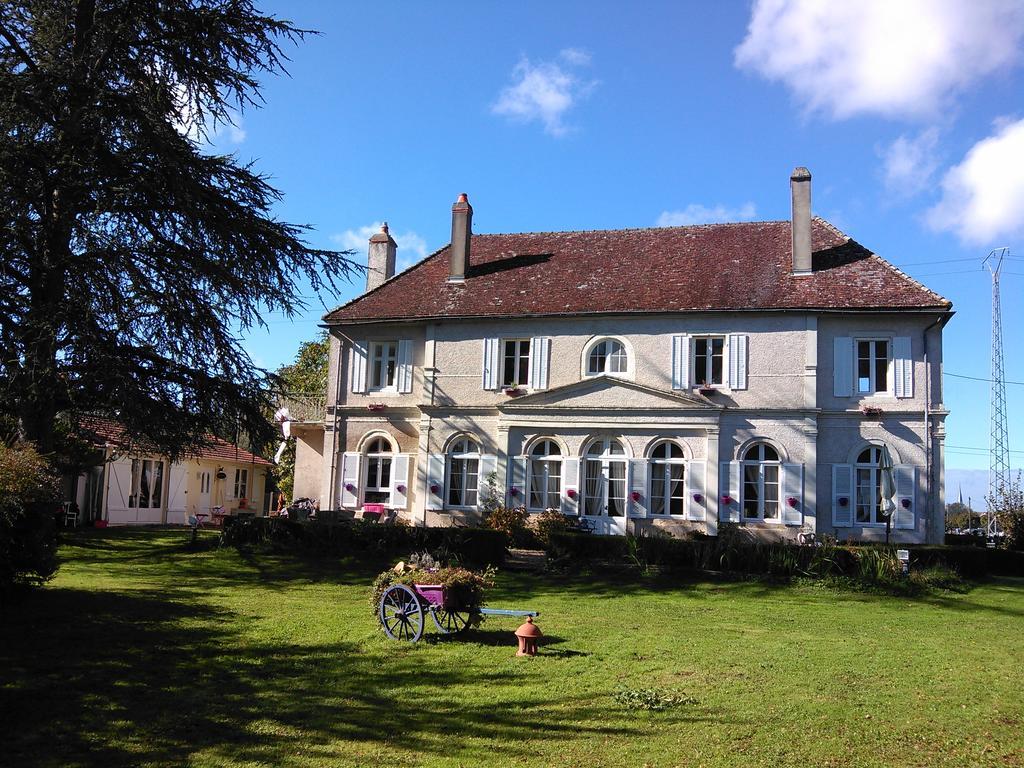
[203, 500]
[604, 487]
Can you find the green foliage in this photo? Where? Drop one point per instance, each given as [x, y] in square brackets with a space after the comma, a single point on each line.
[651, 699]
[549, 522]
[1008, 505]
[136, 256]
[511, 521]
[29, 494]
[470, 546]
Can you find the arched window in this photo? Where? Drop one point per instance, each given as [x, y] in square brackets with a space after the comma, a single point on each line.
[869, 494]
[607, 356]
[761, 470]
[463, 472]
[668, 475]
[377, 477]
[545, 476]
[604, 491]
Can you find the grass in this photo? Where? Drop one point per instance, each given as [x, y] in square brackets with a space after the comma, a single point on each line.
[142, 652]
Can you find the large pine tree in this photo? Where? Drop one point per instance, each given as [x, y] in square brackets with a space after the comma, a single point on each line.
[131, 253]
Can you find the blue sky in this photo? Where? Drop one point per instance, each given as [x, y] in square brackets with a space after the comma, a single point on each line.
[599, 115]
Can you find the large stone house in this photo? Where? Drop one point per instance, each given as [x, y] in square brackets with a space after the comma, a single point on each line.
[672, 378]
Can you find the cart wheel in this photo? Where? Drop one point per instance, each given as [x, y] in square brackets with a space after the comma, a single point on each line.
[450, 622]
[401, 614]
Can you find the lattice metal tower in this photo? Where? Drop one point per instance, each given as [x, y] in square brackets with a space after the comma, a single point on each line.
[999, 442]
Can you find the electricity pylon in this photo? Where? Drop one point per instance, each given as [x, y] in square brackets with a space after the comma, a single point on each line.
[999, 443]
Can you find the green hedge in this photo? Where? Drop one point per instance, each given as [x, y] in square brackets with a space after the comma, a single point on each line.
[725, 554]
[474, 547]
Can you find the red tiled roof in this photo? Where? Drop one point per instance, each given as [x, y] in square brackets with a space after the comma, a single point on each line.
[668, 269]
[101, 430]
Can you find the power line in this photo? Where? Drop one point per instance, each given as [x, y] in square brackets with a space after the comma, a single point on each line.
[979, 378]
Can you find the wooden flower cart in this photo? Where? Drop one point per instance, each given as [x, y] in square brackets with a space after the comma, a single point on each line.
[403, 610]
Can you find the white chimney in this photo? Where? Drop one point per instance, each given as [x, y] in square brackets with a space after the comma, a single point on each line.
[380, 265]
[800, 186]
[462, 231]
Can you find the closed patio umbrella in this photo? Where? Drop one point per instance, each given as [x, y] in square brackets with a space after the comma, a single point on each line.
[887, 488]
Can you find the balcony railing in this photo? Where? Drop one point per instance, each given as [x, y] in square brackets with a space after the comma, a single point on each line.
[305, 408]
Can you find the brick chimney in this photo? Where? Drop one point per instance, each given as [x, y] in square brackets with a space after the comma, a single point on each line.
[380, 265]
[800, 186]
[462, 230]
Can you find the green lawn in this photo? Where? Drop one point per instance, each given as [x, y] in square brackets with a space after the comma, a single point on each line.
[143, 653]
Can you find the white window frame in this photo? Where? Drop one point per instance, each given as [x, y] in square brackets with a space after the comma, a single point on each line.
[664, 467]
[457, 452]
[383, 353]
[604, 459]
[551, 469]
[708, 357]
[889, 390]
[519, 357]
[139, 467]
[379, 460]
[877, 519]
[241, 487]
[591, 347]
[760, 463]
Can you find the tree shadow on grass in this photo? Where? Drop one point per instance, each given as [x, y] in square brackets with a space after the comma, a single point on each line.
[114, 678]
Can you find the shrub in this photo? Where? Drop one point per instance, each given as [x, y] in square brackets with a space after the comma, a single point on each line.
[470, 546]
[511, 521]
[29, 498]
[549, 522]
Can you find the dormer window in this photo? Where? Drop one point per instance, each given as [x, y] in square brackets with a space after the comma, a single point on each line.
[607, 357]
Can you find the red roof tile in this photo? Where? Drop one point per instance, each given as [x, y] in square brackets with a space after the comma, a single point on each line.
[667, 269]
[101, 430]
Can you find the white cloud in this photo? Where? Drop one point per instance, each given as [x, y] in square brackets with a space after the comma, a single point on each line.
[575, 56]
[695, 213]
[898, 58]
[910, 162]
[983, 196]
[411, 247]
[545, 91]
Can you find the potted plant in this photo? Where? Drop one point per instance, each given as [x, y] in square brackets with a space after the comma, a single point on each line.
[871, 411]
[513, 391]
[376, 407]
[706, 389]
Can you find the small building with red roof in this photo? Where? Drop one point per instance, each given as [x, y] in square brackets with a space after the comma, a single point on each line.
[132, 485]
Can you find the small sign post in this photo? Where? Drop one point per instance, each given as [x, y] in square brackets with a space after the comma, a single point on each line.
[903, 555]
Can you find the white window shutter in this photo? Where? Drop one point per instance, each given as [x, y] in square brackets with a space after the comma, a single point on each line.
[696, 474]
[842, 366]
[570, 482]
[435, 481]
[358, 365]
[906, 486]
[403, 376]
[792, 488]
[903, 367]
[400, 481]
[842, 488]
[488, 466]
[517, 481]
[492, 363]
[737, 361]
[729, 475]
[350, 462]
[540, 354]
[637, 483]
[681, 361]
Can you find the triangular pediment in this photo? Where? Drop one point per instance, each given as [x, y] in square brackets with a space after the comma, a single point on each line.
[607, 393]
